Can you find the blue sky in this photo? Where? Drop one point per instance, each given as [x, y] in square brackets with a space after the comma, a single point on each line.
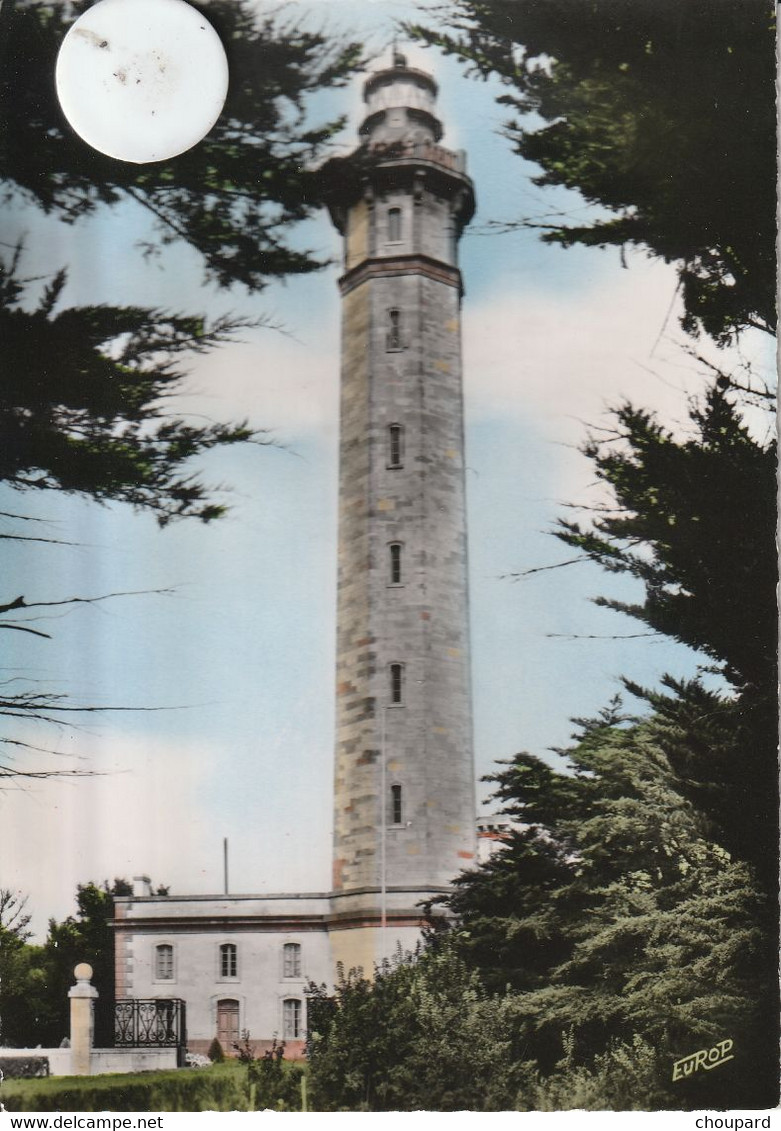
[239, 656]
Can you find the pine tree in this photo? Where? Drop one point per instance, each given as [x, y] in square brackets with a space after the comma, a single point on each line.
[234, 197]
[693, 519]
[85, 397]
[662, 114]
[643, 929]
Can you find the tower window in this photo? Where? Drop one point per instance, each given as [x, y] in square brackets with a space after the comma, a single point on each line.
[164, 963]
[393, 339]
[394, 563]
[291, 960]
[396, 673]
[394, 225]
[396, 809]
[228, 960]
[291, 1019]
[395, 445]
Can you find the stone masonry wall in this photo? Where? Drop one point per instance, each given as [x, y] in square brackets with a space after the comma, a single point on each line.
[356, 747]
[421, 623]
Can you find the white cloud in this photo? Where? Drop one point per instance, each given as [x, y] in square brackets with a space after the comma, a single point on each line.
[141, 810]
[278, 382]
[556, 359]
[558, 362]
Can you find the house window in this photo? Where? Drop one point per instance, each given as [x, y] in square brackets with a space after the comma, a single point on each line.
[393, 339]
[394, 563]
[396, 673]
[395, 445]
[291, 960]
[164, 962]
[394, 225]
[228, 1023]
[228, 960]
[291, 1019]
[396, 809]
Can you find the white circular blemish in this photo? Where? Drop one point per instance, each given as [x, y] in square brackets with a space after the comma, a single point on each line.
[142, 80]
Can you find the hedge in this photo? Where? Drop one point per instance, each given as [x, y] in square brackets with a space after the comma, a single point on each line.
[223, 1087]
[197, 1089]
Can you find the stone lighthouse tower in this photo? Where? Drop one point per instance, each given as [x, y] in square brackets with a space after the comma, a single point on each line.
[404, 804]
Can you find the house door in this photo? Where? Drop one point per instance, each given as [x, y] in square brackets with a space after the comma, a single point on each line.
[228, 1023]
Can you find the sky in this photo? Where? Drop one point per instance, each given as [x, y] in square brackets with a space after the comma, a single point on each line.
[228, 674]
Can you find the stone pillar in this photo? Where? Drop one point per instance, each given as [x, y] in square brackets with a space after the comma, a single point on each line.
[82, 998]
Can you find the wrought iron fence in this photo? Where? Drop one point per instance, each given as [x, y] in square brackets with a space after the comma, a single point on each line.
[151, 1023]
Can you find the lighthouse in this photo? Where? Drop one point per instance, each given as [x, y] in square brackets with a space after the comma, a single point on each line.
[404, 797]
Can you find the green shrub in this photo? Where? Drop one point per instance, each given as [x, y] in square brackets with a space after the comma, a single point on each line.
[215, 1053]
[273, 1084]
[627, 1077]
[423, 1035]
[23, 1067]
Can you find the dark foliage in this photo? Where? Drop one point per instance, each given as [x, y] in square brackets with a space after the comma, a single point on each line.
[640, 927]
[22, 986]
[422, 1035]
[34, 1006]
[85, 937]
[84, 407]
[272, 1084]
[86, 390]
[662, 113]
[693, 519]
[704, 506]
[23, 1067]
[215, 1053]
[234, 196]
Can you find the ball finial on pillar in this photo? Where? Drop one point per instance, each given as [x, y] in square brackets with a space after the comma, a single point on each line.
[82, 1009]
